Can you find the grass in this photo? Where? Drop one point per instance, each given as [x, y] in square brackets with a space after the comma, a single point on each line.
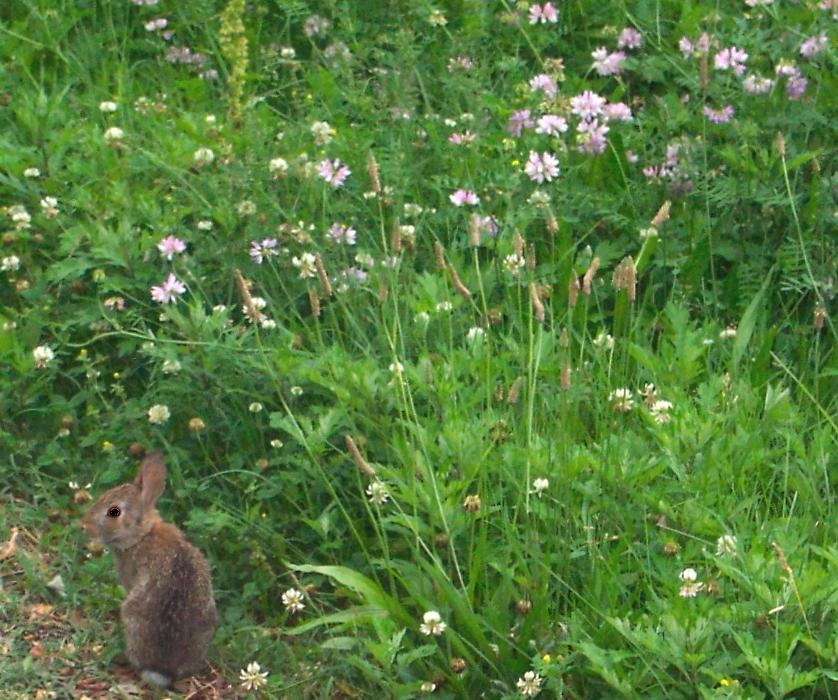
[589, 421]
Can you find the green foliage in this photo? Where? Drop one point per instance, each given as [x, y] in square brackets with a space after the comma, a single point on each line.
[556, 413]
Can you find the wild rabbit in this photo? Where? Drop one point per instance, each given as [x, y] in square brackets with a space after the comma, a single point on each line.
[169, 613]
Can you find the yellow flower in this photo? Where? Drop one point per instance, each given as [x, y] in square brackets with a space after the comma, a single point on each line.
[107, 446]
[547, 658]
[515, 162]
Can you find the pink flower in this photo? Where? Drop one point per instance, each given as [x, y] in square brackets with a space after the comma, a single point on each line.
[463, 139]
[169, 291]
[541, 168]
[796, 87]
[629, 38]
[618, 112]
[463, 197]
[544, 13]
[551, 125]
[259, 250]
[685, 46]
[814, 45]
[170, 246]
[333, 172]
[544, 83]
[488, 225]
[341, 233]
[591, 138]
[608, 63]
[519, 121]
[731, 58]
[460, 62]
[587, 106]
[719, 116]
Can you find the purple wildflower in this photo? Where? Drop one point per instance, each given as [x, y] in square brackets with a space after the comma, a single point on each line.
[341, 233]
[544, 13]
[519, 121]
[551, 125]
[462, 197]
[170, 246]
[587, 106]
[169, 291]
[259, 250]
[606, 63]
[333, 172]
[544, 83]
[719, 116]
[629, 38]
[542, 167]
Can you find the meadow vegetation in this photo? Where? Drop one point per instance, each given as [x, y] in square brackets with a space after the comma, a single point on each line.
[491, 345]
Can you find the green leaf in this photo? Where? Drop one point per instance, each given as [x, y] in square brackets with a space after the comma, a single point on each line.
[745, 329]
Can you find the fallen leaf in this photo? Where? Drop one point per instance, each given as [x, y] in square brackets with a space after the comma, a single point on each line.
[36, 651]
[57, 584]
[40, 610]
[8, 549]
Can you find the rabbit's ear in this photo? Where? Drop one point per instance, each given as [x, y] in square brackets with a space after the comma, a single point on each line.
[151, 479]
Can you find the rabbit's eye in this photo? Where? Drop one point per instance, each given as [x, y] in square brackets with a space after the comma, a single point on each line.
[114, 512]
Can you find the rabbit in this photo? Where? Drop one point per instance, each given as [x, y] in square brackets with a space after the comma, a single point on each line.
[169, 613]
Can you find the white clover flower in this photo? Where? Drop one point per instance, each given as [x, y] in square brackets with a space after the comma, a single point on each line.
[691, 586]
[513, 263]
[170, 367]
[20, 217]
[539, 486]
[202, 157]
[253, 677]
[278, 167]
[427, 687]
[114, 134]
[411, 209]
[205, 225]
[726, 546]
[32, 173]
[422, 318]
[255, 407]
[50, 206]
[276, 443]
[539, 199]
[296, 391]
[210, 120]
[650, 232]
[660, 411]
[43, 356]
[268, 324]
[9, 325]
[10, 263]
[377, 492]
[604, 340]
[396, 368]
[444, 306]
[287, 53]
[306, 265]
[432, 624]
[107, 107]
[728, 332]
[475, 334]
[246, 208]
[530, 684]
[621, 400]
[322, 133]
[158, 414]
[292, 599]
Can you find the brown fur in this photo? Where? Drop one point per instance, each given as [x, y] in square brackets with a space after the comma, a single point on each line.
[169, 613]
